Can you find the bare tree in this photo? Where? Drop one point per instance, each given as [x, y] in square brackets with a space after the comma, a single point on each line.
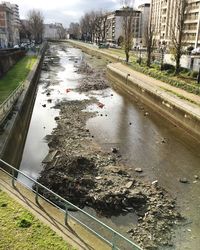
[24, 30]
[88, 26]
[102, 25]
[85, 27]
[61, 31]
[177, 32]
[36, 25]
[149, 34]
[74, 31]
[128, 18]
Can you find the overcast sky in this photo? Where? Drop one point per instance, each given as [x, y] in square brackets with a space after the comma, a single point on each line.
[67, 11]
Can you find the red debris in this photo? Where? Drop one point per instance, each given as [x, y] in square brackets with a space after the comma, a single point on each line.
[68, 90]
[100, 105]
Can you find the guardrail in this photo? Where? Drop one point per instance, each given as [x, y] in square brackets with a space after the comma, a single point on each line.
[111, 237]
[7, 105]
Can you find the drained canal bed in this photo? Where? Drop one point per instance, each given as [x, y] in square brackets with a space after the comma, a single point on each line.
[143, 139]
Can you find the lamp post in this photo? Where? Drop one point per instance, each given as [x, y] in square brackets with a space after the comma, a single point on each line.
[198, 76]
[140, 53]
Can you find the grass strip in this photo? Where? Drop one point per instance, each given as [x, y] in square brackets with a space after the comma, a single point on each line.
[21, 230]
[180, 96]
[15, 76]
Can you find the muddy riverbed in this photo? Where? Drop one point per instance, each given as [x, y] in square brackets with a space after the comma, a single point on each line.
[78, 169]
[111, 154]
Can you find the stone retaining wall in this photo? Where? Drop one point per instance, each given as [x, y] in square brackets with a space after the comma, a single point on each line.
[16, 130]
[8, 59]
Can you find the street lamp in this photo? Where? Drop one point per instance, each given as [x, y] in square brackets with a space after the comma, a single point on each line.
[162, 47]
[198, 76]
[140, 53]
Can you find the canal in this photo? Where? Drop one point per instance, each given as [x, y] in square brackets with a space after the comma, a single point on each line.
[145, 140]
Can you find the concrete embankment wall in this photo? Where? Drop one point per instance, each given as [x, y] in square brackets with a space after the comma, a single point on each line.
[8, 59]
[15, 130]
[160, 102]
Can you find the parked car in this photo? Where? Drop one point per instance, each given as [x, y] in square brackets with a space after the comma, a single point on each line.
[113, 45]
[103, 46]
[195, 51]
[16, 46]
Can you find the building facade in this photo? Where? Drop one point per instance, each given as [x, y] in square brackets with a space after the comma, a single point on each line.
[115, 27]
[9, 24]
[164, 20]
[6, 39]
[54, 31]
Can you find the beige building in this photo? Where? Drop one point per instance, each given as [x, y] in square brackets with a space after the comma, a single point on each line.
[163, 18]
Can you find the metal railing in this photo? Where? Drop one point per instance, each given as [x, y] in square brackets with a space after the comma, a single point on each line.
[7, 105]
[111, 237]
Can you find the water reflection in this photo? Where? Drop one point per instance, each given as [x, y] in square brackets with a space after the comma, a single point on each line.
[163, 151]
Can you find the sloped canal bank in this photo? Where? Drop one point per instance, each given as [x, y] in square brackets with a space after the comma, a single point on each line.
[81, 166]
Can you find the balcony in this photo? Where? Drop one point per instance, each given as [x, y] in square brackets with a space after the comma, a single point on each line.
[188, 31]
[191, 21]
[164, 6]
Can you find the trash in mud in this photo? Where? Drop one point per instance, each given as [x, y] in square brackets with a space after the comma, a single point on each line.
[100, 105]
[68, 90]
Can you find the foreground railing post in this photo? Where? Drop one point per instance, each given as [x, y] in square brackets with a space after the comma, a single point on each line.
[66, 214]
[13, 177]
[36, 193]
[113, 241]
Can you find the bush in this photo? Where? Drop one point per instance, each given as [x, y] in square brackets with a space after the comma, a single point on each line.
[170, 71]
[24, 223]
[167, 66]
[184, 70]
[194, 74]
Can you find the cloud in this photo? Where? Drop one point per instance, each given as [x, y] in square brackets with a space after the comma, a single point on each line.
[66, 11]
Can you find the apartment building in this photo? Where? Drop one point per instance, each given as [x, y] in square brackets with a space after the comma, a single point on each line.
[15, 21]
[164, 19]
[5, 26]
[144, 21]
[115, 26]
[9, 24]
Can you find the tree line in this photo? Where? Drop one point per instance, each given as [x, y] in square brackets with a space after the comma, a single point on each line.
[33, 28]
[94, 24]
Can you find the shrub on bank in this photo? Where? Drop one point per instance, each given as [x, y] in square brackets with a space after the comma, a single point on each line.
[165, 77]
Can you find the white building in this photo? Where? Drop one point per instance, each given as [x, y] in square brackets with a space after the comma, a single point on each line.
[164, 19]
[115, 27]
[144, 21]
[54, 31]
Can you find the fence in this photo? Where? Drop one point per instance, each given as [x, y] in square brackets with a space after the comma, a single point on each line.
[114, 239]
[7, 105]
